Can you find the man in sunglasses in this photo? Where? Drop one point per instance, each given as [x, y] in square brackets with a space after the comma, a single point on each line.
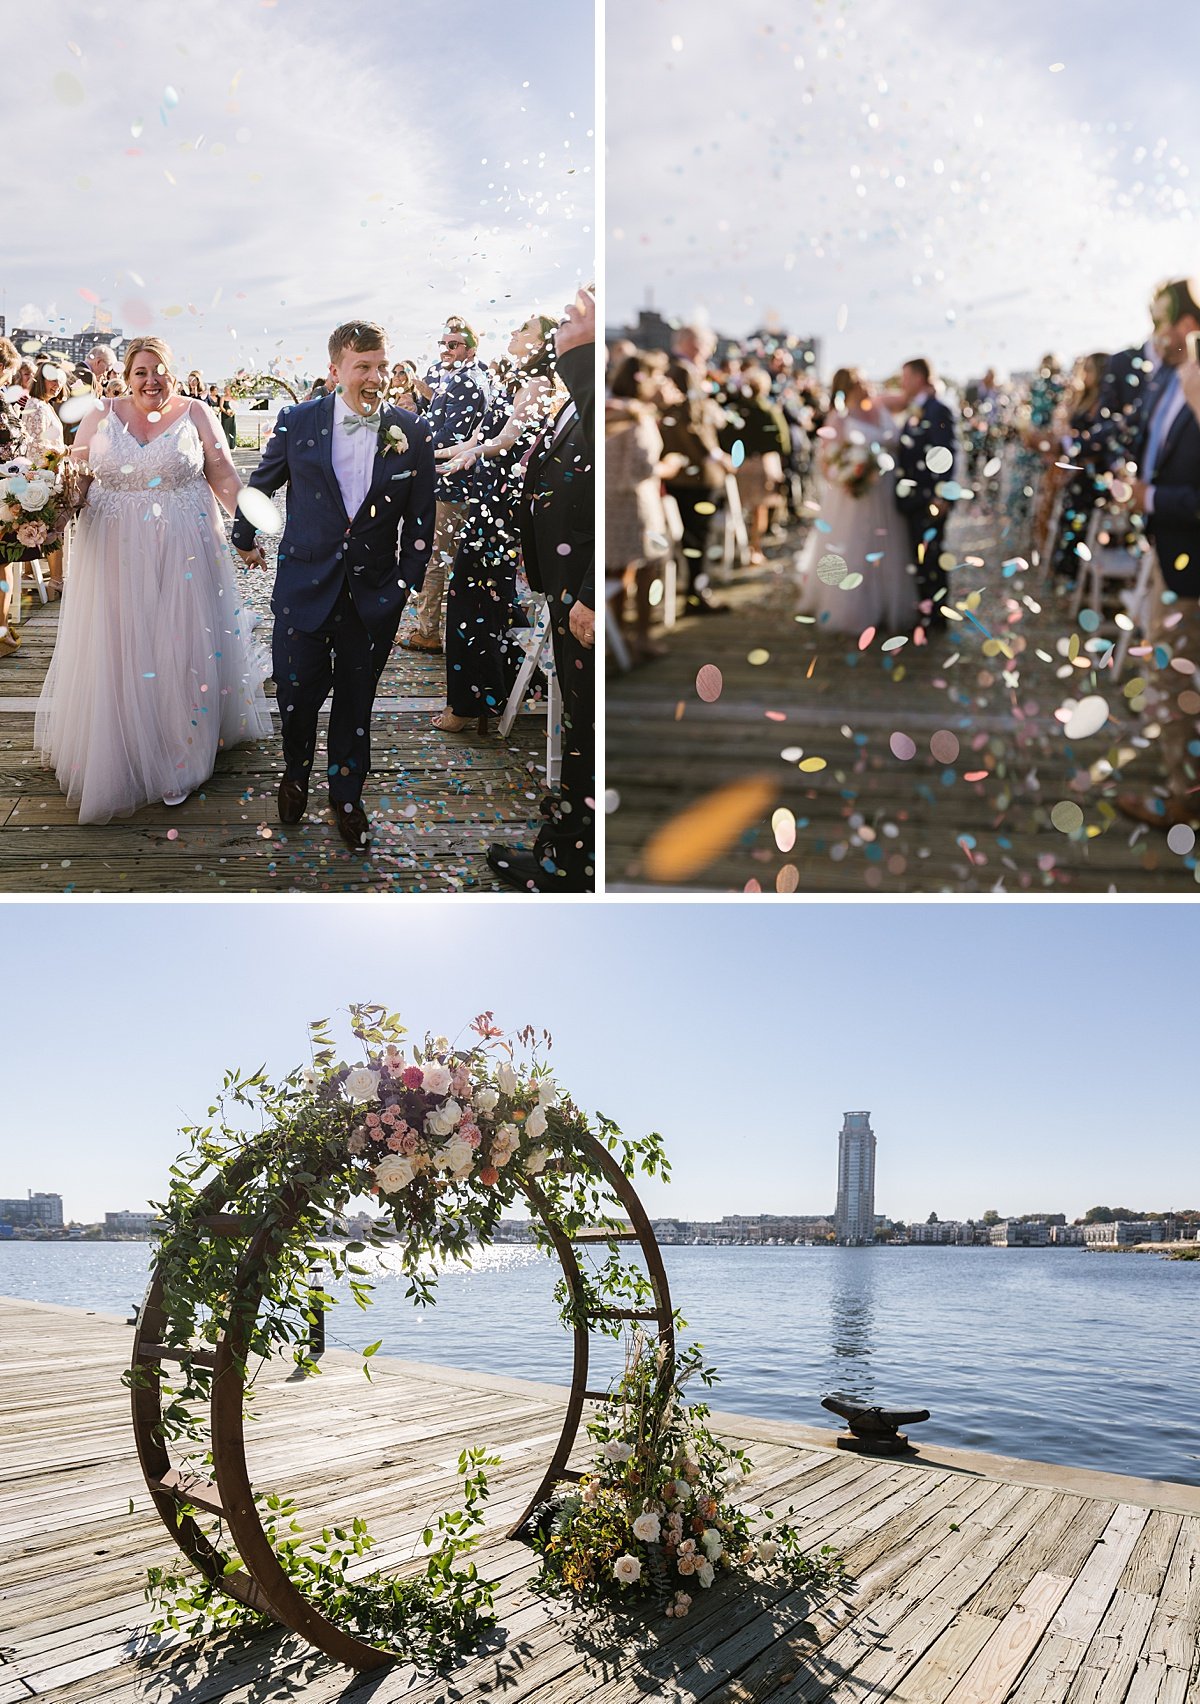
[459, 392]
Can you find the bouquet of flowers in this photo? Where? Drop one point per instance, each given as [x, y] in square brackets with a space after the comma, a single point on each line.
[653, 1515]
[855, 465]
[36, 504]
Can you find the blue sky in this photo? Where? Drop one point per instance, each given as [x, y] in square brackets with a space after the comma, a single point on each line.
[271, 167]
[903, 178]
[1022, 1057]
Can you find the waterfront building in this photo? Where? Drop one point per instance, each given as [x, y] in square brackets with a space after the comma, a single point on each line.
[1070, 1236]
[38, 1210]
[133, 1224]
[854, 1217]
[1020, 1233]
[1122, 1233]
[940, 1231]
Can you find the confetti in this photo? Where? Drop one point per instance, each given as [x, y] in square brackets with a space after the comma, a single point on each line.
[1086, 718]
[944, 746]
[783, 827]
[832, 569]
[709, 682]
[705, 831]
[903, 747]
[1181, 839]
[1067, 817]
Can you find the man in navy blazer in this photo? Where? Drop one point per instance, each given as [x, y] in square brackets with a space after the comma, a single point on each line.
[1167, 492]
[927, 424]
[358, 538]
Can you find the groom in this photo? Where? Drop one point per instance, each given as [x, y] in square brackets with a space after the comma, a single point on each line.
[927, 424]
[360, 522]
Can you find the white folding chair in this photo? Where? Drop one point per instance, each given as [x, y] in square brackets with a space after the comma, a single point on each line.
[1117, 568]
[536, 643]
[614, 639]
[736, 549]
[672, 561]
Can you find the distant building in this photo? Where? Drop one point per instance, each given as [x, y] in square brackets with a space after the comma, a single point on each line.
[1020, 1233]
[1122, 1233]
[42, 1211]
[134, 1224]
[941, 1231]
[854, 1216]
[1067, 1235]
[72, 346]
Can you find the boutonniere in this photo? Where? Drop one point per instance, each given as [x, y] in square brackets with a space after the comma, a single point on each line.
[392, 438]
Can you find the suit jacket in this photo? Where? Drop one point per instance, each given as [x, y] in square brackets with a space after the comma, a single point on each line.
[454, 410]
[321, 545]
[1125, 392]
[558, 498]
[1174, 527]
[933, 426]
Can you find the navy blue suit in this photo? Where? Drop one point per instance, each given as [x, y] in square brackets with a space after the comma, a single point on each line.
[933, 425]
[1174, 527]
[454, 410]
[342, 581]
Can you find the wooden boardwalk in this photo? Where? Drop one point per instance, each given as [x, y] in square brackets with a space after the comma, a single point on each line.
[436, 800]
[869, 821]
[979, 1579]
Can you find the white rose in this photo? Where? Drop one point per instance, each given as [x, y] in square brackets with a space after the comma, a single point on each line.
[356, 1141]
[535, 1162]
[456, 1156]
[35, 496]
[535, 1124]
[362, 1084]
[767, 1549]
[507, 1079]
[463, 1172]
[435, 1078]
[443, 1119]
[712, 1542]
[617, 1451]
[547, 1091]
[393, 1172]
[486, 1100]
[647, 1527]
[627, 1569]
[704, 1573]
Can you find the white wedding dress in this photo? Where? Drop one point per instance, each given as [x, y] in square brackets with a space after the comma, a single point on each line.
[868, 533]
[153, 671]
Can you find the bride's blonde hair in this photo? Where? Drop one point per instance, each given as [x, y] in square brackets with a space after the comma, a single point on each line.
[156, 346]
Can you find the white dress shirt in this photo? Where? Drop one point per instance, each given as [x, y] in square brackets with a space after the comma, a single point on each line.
[1170, 407]
[353, 457]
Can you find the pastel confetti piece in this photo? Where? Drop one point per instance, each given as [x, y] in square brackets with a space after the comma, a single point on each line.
[976, 775]
[259, 510]
[865, 638]
[758, 657]
[788, 879]
[709, 683]
[1181, 839]
[944, 746]
[705, 831]
[832, 569]
[902, 747]
[810, 765]
[1087, 718]
[1067, 817]
[783, 827]
[939, 459]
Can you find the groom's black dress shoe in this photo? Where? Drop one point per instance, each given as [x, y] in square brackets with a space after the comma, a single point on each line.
[352, 825]
[520, 870]
[293, 797]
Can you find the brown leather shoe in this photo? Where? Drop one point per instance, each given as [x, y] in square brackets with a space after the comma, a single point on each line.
[352, 825]
[293, 797]
[414, 642]
[1155, 812]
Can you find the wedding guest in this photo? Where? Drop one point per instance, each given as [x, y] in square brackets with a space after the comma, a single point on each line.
[691, 430]
[636, 540]
[1123, 397]
[481, 598]
[213, 396]
[227, 415]
[152, 672]
[1032, 491]
[558, 538]
[1167, 493]
[1080, 429]
[102, 365]
[195, 384]
[403, 389]
[12, 444]
[45, 432]
[460, 395]
[763, 432]
[927, 424]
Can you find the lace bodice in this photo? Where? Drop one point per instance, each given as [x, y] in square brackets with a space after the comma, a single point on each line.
[170, 464]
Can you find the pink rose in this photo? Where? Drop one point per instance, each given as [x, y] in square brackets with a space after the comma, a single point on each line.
[460, 1082]
[409, 1142]
[372, 1120]
[32, 534]
[412, 1076]
[470, 1133]
[396, 1144]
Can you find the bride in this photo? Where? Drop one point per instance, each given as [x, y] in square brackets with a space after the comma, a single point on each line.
[152, 672]
[867, 583]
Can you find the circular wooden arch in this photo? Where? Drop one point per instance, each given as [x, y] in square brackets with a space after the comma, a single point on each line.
[261, 1583]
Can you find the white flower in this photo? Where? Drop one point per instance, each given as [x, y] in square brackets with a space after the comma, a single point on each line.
[393, 1173]
[456, 1156]
[441, 1044]
[309, 1077]
[535, 1161]
[435, 1078]
[486, 1100]
[647, 1527]
[712, 1542]
[535, 1124]
[507, 1078]
[357, 1140]
[547, 1092]
[704, 1573]
[443, 1119]
[627, 1569]
[617, 1451]
[504, 1144]
[35, 496]
[362, 1084]
[767, 1549]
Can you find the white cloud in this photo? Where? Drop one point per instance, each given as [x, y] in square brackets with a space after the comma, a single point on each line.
[916, 175]
[306, 173]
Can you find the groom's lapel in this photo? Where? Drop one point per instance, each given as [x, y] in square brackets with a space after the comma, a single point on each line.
[381, 467]
[325, 424]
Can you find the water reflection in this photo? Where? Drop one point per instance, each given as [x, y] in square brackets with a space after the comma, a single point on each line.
[852, 1337]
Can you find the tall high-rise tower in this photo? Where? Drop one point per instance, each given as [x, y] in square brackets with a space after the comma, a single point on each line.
[855, 1217]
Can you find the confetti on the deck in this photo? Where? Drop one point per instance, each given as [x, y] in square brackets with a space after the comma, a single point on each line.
[976, 775]
[939, 459]
[709, 682]
[865, 638]
[903, 747]
[758, 657]
[783, 827]
[810, 765]
[703, 832]
[1087, 718]
[944, 746]
[1181, 839]
[1067, 816]
[832, 569]
[896, 643]
[850, 583]
[788, 879]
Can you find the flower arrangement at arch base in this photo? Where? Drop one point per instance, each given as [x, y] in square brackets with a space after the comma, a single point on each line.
[654, 1518]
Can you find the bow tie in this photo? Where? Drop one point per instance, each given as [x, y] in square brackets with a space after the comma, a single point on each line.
[352, 422]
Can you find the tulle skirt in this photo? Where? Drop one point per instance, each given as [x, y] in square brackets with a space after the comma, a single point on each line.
[870, 536]
[153, 671]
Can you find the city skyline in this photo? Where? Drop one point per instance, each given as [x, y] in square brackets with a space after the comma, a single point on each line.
[243, 180]
[755, 1031]
[895, 187]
